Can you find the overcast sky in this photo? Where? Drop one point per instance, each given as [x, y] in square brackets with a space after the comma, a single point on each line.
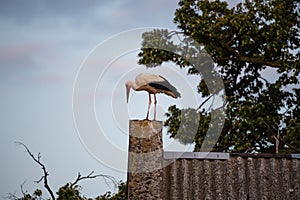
[43, 46]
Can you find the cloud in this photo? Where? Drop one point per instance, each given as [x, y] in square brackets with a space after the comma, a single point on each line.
[24, 11]
[18, 51]
[51, 78]
[151, 13]
[19, 56]
[30, 63]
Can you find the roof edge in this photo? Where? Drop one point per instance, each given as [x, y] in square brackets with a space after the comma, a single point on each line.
[168, 155]
[196, 155]
[266, 155]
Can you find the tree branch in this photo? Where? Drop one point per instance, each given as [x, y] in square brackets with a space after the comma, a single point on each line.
[37, 160]
[238, 58]
[204, 101]
[171, 33]
[257, 61]
[277, 138]
[266, 81]
[22, 190]
[14, 196]
[91, 176]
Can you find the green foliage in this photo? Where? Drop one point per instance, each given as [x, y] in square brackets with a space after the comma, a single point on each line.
[37, 194]
[183, 123]
[72, 192]
[245, 42]
[120, 195]
[69, 192]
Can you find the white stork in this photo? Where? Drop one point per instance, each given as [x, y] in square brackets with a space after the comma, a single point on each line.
[153, 84]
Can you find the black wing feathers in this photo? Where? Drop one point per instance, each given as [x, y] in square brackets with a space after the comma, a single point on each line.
[165, 85]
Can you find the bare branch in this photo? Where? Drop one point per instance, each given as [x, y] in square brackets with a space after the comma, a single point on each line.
[37, 160]
[171, 33]
[276, 143]
[22, 190]
[44, 178]
[112, 179]
[91, 176]
[277, 138]
[212, 103]
[38, 181]
[266, 81]
[204, 101]
[12, 196]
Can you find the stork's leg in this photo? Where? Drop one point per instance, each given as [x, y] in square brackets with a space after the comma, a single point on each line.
[149, 103]
[155, 101]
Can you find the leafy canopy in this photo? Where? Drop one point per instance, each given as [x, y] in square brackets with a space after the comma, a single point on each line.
[73, 192]
[247, 43]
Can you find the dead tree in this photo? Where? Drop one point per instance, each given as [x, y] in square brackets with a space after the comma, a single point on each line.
[45, 176]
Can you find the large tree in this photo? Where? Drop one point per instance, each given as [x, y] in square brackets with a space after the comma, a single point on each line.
[245, 42]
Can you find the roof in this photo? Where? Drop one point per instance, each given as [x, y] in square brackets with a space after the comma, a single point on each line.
[200, 175]
[222, 156]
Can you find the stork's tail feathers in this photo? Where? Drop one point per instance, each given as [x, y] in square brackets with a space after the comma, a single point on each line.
[174, 93]
[177, 94]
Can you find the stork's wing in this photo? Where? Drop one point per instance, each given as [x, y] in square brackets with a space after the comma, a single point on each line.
[157, 82]
[164, 85]
[145, 78]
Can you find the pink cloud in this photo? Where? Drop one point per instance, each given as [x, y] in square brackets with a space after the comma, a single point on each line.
[19, 56]
[51, 78]
[19, 51]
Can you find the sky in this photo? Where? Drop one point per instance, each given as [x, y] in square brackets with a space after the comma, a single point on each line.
[45, 46]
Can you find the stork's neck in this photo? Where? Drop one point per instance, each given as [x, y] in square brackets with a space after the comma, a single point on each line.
[131, 84]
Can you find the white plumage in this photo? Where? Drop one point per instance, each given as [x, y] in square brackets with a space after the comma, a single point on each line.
[153, 84]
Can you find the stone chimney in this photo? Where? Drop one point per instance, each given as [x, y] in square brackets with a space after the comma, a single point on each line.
[145, 160]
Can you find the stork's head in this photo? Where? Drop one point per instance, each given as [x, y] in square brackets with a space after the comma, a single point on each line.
[128, 87]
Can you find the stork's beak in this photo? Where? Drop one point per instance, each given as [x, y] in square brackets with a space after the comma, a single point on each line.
[127, 93]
